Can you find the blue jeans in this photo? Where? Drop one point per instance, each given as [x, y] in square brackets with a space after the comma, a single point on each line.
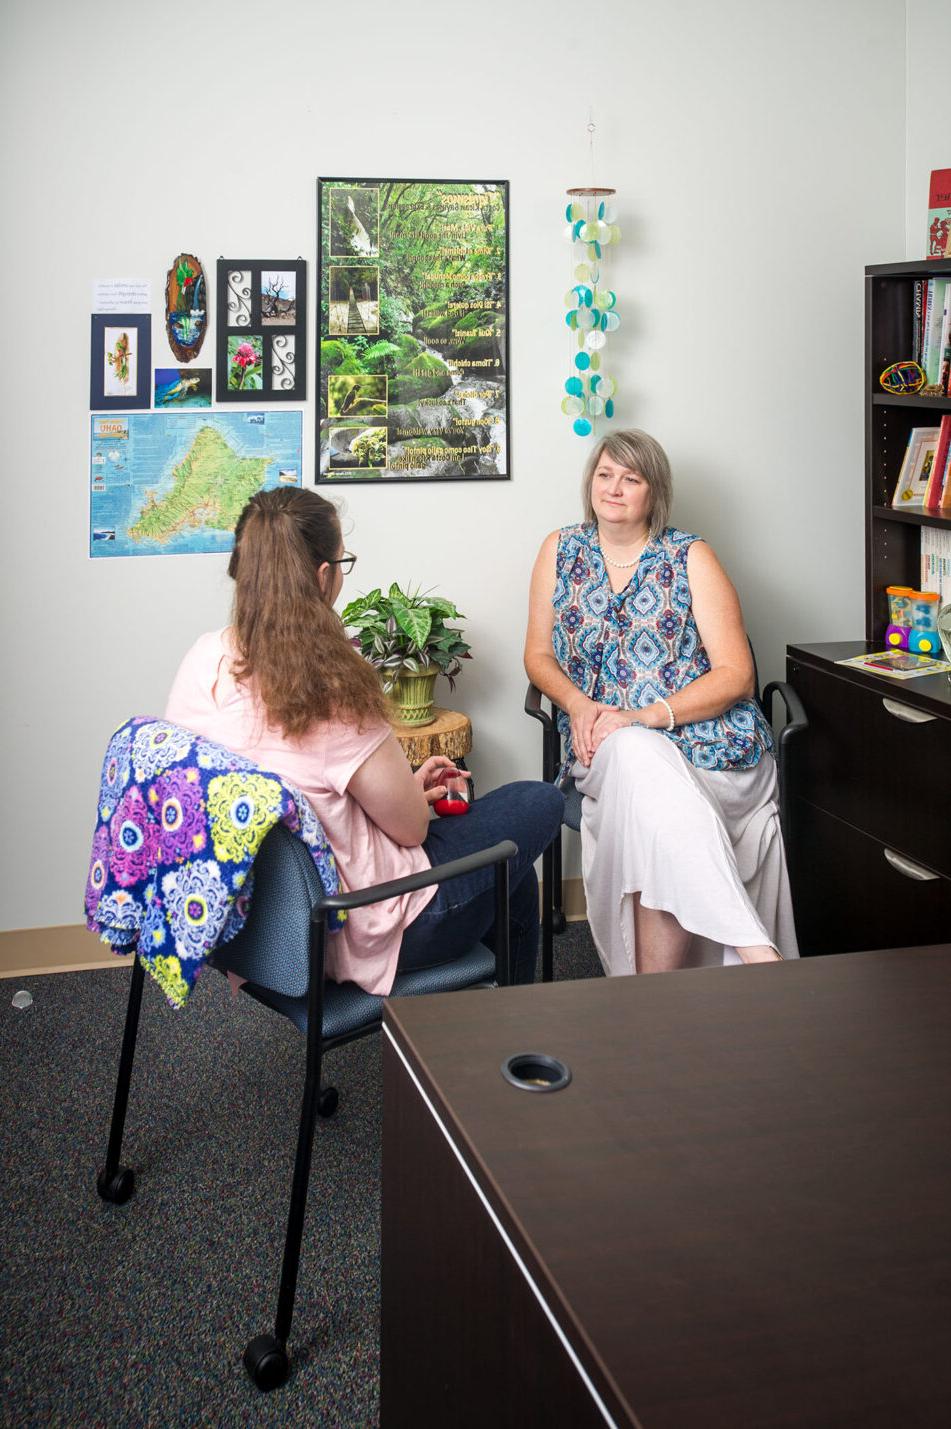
[463, 909]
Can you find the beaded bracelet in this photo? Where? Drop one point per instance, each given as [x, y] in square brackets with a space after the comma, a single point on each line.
[671, 722]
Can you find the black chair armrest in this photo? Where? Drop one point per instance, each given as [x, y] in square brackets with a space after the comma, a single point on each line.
[361, 897]
[533, 707]
[796, 721]
[551, 738]
[796, 717]
[499, 854]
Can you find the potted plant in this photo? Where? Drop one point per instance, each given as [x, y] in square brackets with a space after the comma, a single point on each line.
[405, 636]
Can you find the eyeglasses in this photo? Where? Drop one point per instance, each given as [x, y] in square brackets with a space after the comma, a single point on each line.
[346, 562]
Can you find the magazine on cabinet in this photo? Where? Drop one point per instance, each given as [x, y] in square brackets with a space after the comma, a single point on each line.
[897, 664]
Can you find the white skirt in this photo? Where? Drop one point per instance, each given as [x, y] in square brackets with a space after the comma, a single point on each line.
[704, 845]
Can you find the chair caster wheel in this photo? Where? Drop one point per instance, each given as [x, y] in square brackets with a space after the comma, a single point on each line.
[558, 921]
[118, 1187]
[266, 1361]
[327, 1101]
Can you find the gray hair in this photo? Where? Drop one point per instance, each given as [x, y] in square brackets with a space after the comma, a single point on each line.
[636, 451]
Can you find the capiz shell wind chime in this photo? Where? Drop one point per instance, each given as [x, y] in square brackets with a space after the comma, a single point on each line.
[591, 303]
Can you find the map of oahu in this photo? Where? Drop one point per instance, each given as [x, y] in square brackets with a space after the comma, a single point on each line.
[211, 486]
[175, 483]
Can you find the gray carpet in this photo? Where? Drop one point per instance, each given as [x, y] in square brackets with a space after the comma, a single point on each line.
[138, 1315]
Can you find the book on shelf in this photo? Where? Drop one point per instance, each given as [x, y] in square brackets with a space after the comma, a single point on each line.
[944, 501]
[897, 664]
[936, 483]
[936, 333]
[918, 316]
[936, 562]
[939, 214]
[916, 467]
[931, 333]
[927, 308]
[937, 356]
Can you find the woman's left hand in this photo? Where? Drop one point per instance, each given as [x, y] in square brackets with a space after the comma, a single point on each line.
[431, 776]
[607, 722]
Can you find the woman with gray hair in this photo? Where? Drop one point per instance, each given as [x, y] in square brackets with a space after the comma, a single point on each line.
[635, 632]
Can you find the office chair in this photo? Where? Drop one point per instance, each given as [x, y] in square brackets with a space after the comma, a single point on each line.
[553, 916]
[280, 951]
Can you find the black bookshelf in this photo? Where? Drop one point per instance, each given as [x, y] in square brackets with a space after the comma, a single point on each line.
[892, 536]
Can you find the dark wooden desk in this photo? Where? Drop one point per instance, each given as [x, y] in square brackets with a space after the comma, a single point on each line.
[737, 1214]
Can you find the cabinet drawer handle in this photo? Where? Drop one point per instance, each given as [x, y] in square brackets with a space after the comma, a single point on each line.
[909, 869]
[906, 712]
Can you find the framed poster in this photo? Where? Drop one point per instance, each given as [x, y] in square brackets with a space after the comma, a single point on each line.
[262, 334]
[412, 330]
[120, 364]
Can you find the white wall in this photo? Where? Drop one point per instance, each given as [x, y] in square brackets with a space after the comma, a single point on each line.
[927, 112]
[758, 149]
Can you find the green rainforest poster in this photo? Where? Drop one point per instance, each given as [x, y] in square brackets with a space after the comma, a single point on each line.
[412, 337]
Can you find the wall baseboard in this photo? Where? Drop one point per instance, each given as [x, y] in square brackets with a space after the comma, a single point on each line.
[572, 891]
[28, 952]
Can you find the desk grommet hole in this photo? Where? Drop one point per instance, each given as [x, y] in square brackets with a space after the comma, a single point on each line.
[536, 1072]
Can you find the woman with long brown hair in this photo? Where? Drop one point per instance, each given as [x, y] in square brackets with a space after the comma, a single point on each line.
[283, 686]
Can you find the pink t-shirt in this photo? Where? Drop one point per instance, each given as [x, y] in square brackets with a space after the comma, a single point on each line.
[206, 698]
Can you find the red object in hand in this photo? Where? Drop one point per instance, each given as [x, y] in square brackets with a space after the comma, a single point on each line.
[456, 800]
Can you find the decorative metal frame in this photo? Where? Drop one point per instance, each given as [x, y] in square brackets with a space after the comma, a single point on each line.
[275, 387]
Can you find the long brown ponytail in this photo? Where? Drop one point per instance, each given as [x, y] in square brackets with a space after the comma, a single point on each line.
[291, 645]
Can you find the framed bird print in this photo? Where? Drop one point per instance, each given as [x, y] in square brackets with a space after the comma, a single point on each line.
[120, 366]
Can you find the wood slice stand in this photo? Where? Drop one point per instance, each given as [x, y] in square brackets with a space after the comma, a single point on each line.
[450, 734]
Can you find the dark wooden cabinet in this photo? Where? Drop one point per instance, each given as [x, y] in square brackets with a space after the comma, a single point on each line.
[869, 836]
[868, 784]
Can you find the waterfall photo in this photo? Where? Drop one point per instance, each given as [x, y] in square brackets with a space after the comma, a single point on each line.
[412, 323]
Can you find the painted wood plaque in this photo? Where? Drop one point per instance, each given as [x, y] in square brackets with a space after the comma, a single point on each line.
[186, 299]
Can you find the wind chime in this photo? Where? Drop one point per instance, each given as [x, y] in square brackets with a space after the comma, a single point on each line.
[591, 303]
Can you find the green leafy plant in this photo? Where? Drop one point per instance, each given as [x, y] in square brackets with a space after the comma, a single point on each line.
[406, 632]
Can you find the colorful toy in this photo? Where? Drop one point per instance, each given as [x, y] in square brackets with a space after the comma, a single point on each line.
[913, 623]
[902, 378]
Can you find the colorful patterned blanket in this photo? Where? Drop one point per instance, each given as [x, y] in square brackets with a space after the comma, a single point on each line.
[180, 822]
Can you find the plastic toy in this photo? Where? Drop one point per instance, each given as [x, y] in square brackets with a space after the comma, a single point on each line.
[457, 798]
[913, 623]
[902, 378]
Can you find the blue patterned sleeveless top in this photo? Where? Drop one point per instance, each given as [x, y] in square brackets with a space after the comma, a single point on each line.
[629, 649]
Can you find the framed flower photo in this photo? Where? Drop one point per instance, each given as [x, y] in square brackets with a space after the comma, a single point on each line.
[262, 351]
[120, 363]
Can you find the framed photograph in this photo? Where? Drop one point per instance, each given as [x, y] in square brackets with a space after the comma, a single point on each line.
[120, 364]
[177, 387]
[262, 346]
[412, 330]
[355, 222]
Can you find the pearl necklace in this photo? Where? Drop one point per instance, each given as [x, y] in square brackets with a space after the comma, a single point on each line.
[624, 565]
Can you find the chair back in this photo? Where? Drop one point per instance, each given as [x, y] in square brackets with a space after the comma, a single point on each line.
[272, 947]
[180, 822]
